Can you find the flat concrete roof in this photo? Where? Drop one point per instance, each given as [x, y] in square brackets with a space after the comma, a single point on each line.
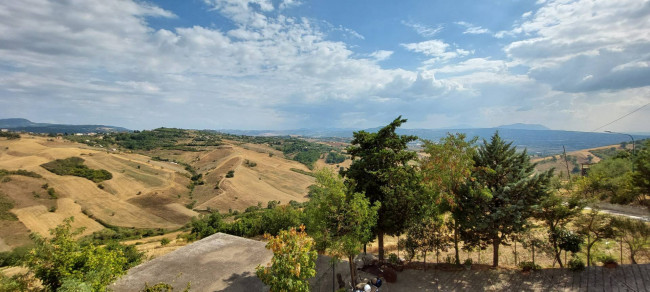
[220, 262]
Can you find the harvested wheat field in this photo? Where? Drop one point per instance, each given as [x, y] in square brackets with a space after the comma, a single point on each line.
[258, 177]
[39, 209]
[143, 192]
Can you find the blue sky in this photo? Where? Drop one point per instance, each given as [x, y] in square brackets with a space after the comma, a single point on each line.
[283, 64]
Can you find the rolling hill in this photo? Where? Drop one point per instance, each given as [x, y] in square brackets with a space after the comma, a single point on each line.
[144, 192]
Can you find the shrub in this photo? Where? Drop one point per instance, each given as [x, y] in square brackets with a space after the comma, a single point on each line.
[393, 259]
[607, 259]
[61, 258]
[529, 266]
[231, 173]
[576, 264]
[468, 262]
[164, 241]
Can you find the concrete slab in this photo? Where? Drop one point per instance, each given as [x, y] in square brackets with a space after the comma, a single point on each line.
[220, 262]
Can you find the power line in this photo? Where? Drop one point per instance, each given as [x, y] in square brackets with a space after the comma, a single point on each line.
[614, 121]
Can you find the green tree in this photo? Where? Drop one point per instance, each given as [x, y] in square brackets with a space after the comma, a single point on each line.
[507, 192]
[339, 221]
[595, 226]
[293, 263]
[641, 175]
[446, 171]
[634, 233]
[382, 170]
[61, 259]
[427, 236]
[556, 211]
[612, 177]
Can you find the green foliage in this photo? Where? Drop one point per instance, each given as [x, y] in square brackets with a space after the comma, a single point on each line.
[595, 226]
[334, 158]
[382, 170]
[249, 163]
[612, 178]
[6, 204]
[62, 258]
[74, 166]
[4, 172]
[162, 287]
[255, 221]
[556, 211]
[15, 257]
[148, 140]
[164, 241]
[426, 236]
[607, 259]
[303, 172]
[446, 171]
[641, 176]
[18, 283]
[52, 193]
[576, 264]
[393, 259]
[293, 262]
[231, 173]
[115, 233]
[339, 220]
[504, 197]
[10, 135]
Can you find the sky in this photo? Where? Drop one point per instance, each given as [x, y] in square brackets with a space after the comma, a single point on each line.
[289, 64]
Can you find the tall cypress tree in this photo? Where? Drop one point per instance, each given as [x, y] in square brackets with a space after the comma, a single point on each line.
[509, 192]
[381, 170]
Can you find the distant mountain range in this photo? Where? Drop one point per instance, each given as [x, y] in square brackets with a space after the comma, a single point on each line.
[29, 126]
[537, 139]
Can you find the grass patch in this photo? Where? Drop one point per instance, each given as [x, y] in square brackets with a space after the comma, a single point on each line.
[74, 166]
[303, 172]
[5, 205]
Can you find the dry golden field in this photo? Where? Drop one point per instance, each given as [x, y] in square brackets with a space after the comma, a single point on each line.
[143, 193]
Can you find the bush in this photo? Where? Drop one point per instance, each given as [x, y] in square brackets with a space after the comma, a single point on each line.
[576, 264]
[529, 266]
[60, 259]
[14, 257]
[393, 259]
[607, 259]
[164, 241]
[468, 262]
[231, 173]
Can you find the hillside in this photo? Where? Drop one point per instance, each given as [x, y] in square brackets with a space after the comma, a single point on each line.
[17, 124]
[144, 192]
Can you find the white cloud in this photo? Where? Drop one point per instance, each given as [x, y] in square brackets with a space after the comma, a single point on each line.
[381, 55]
[473, 29]
[422, 29]
[429, 48]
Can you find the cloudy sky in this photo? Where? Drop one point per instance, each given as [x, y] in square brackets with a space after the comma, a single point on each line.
[283, 64]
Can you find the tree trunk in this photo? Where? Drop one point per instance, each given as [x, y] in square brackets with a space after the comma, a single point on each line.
[558, 258]
[533, 246]
[353, 271]
[588, 251]
[495, 252]
[456, 243]
[380, 245]
[515, 252]
[425, 260]
[364, 249]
